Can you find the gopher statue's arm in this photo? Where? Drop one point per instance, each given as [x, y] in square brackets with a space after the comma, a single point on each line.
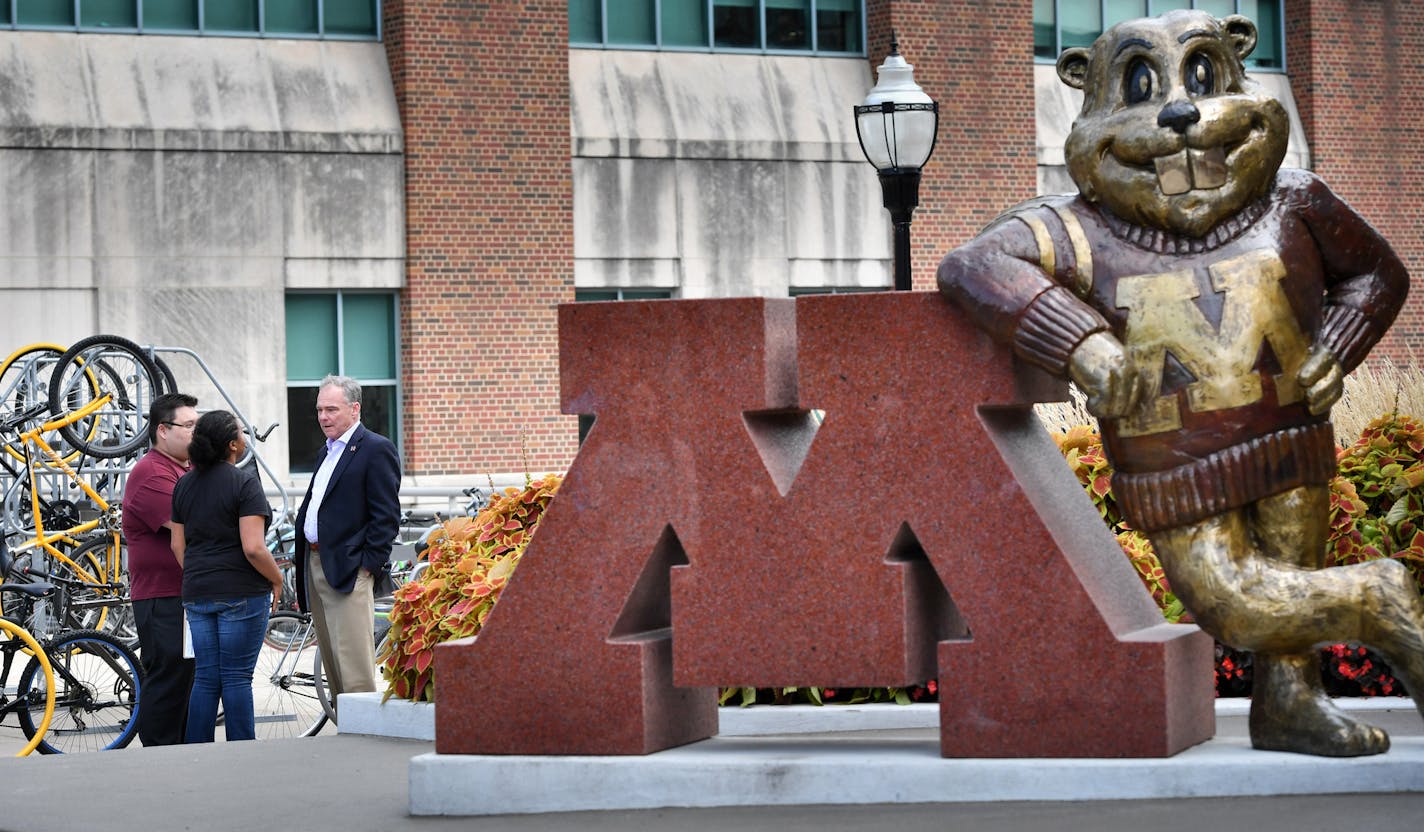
[1366, 285]
[998, 280]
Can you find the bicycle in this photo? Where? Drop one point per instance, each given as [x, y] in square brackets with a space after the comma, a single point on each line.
[25, 697]
[288, 692]
[300, 700]
[25, 382]
[92, 681]
[97, 562]
[117, 372]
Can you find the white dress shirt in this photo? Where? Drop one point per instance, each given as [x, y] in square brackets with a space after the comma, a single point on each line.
[334, 449]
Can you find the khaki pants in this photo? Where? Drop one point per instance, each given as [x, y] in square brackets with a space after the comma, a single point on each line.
[344, 626]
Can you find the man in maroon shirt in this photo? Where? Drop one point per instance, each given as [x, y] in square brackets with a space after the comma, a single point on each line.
[155, 576]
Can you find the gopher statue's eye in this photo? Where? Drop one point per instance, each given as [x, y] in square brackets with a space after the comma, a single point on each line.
[1137, 86]
[1200, 77]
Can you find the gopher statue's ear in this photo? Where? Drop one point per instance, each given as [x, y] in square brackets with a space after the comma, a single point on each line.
[1242, 33]
[1073, 67]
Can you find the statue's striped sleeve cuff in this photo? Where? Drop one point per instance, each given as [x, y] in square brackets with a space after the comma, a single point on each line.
[1053, 325]
[1348, 333]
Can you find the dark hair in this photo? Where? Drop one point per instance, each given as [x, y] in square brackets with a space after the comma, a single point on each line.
[163, 409]
[214, 430]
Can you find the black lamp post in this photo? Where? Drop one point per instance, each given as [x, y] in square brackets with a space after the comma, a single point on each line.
[897, 126]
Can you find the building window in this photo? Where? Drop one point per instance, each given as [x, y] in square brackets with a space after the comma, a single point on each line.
[343, 19]
[584, 295]
[821, 26]
[346, 333]
[1062, 24]
[801, 291]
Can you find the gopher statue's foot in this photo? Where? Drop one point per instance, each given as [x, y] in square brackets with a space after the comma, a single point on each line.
[1290, 712]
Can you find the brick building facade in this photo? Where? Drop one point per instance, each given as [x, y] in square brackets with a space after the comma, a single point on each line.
[484, 99]
[483, 92]
[411, 201]
[1353, 85]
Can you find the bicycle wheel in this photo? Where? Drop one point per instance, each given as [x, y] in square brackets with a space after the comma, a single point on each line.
[24, 387]
[169, 384]
[284, 689]
[43, 700]
[322, 694]
[97, 683]
[287, 627]
[107, 607]
[126, 374]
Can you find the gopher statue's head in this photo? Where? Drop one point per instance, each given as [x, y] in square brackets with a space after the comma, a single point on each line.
[1172, 133]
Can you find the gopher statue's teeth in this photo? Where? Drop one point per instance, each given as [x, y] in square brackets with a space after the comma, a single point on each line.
[1181, 172]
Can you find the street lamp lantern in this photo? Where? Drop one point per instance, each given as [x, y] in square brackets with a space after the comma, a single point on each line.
[897, 125]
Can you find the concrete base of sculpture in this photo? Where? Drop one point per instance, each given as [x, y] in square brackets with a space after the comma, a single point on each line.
[860, 767]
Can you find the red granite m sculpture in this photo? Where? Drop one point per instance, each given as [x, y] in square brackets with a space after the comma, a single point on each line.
[710, 533]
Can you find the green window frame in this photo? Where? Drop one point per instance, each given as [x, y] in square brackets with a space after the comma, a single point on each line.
[835, 27]
[802, 291]
[346, 333]
[1063, 24]
[329, 19]
[613, 293]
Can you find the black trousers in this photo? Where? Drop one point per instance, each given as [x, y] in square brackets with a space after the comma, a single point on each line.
[167, 676]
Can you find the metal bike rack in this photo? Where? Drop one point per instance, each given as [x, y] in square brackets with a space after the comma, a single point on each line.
[248, 428]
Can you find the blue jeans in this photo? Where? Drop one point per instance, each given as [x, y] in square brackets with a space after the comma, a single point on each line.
[227, 636]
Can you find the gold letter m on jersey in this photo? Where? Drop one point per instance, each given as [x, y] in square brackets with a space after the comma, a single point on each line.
[1163, 317]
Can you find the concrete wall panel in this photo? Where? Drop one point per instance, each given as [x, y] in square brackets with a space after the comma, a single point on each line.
[853, 224]
[842, 274]
[731, 209]
[220, 204]
[341, 205]
[344, 273]
[48, 202]
[713, 173]
[663, 104]
[625, 208]
[600, 273]
[67, 89]
[54, 316]
[170, 190]
[46, 82]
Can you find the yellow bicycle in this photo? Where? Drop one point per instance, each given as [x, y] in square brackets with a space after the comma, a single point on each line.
[86, 556]
[27, 698]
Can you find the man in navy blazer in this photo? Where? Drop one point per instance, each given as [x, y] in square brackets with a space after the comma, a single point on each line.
[345, 529]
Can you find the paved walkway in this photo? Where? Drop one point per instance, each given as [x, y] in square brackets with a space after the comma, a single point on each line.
[348, 782]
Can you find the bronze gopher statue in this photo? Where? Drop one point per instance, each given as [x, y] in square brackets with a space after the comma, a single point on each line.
[1209, 304]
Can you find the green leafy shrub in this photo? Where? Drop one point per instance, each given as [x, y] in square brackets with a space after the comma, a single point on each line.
[1386, 470]
[471, 560]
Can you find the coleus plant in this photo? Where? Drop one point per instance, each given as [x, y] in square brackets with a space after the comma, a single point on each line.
[471, 560]
[1385, 466]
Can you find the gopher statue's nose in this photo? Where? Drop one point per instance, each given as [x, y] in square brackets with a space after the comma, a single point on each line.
[1179, 115]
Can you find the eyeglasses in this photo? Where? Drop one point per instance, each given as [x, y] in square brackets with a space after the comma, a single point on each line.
[184, 425]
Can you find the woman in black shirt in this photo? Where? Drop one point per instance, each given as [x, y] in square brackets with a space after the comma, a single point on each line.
[230, 580]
